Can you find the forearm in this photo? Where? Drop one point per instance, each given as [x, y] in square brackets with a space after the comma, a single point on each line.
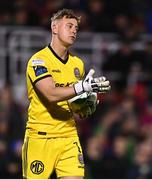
[54, 94]
[89, 84]
[57, 94]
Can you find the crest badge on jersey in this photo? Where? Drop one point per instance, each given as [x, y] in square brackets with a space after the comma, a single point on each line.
[77, 73]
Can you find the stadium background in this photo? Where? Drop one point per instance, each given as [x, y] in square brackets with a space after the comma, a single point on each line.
[115, 39]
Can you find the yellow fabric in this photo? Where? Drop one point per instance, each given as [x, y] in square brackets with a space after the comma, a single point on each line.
[54, 119]
[62, 154]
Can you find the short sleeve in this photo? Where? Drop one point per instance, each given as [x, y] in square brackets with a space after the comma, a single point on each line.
[37, 69]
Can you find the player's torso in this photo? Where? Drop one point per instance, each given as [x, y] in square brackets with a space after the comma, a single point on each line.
[53, 118]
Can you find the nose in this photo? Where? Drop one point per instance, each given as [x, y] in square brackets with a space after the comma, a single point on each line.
[74, 30]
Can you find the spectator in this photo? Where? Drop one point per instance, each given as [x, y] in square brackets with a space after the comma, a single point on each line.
[141, 166]
[11, 133]
[97, 11]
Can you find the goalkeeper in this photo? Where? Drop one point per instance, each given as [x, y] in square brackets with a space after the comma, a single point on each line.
[53, 77]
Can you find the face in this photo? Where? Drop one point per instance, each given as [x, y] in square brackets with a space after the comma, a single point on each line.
[65, 30]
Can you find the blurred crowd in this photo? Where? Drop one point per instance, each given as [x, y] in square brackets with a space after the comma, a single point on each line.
[127, 17]
[117, 139]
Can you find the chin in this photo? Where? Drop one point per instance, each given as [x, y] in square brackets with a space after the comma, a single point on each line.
[69, 43]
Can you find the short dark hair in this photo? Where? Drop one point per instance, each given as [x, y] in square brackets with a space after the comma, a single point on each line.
[68, 13]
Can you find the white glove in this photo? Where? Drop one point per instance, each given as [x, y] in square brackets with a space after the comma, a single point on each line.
[90, 84]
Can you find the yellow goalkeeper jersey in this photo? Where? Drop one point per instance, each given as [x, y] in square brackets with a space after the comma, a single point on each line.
[44, 118]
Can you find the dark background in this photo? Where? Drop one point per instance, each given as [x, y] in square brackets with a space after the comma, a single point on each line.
[115, 39]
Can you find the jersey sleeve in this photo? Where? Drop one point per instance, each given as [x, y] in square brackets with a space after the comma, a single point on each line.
[37, 69]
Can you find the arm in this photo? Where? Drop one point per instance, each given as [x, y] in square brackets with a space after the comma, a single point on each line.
[89, 84]
[54, 94]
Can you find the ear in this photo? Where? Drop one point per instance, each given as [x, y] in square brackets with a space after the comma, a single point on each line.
[54, 27]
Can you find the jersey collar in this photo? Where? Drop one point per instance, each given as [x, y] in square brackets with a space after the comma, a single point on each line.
[60, 59]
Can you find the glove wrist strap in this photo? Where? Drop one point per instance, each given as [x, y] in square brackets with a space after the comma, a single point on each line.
[78, 88]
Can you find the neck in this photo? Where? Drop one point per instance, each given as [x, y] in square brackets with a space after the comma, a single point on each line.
[60, 49]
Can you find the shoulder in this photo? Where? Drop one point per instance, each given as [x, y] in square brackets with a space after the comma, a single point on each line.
[39, 58]
[76, 58]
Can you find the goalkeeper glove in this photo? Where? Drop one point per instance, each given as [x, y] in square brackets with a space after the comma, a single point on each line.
[90, 84]
[84, 105]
